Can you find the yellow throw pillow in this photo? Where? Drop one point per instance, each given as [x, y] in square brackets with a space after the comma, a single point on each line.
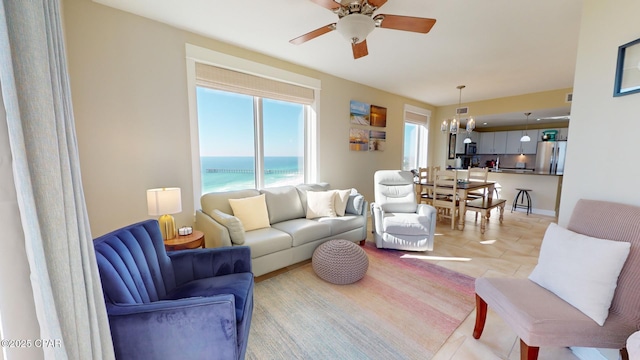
[251, 211]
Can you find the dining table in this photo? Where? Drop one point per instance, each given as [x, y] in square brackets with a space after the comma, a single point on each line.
[463, 188]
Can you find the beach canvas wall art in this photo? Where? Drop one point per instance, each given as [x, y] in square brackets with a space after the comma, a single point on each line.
[378, 116]
[360, 113]
[377, 140]
[358, 139]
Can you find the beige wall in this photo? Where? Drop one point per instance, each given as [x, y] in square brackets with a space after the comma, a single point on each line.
[602, 155]
[129, 87]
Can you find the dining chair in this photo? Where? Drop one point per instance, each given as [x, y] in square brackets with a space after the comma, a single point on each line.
[477, 174]
[425, 177]
[445, 197]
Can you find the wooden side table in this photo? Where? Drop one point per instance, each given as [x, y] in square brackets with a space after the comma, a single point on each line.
[182, 242]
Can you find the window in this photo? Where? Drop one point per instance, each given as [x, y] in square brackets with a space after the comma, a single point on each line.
[252, 125]
[234, 129]
[415, 138]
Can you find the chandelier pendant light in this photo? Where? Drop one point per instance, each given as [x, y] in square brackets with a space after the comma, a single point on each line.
[525, 137]
[453, 125]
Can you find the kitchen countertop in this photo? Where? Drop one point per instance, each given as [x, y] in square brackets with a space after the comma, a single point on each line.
[512, 171]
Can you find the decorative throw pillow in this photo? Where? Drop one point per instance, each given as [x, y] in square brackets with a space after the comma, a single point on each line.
[233, 225]
[355, 203]
[580, 269]
[320, 203]
[340, 201]
[251, 211]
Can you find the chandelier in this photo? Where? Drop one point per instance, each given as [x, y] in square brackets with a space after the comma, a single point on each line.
[453, 125]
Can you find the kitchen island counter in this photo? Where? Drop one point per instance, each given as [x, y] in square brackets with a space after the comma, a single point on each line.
[545, 189]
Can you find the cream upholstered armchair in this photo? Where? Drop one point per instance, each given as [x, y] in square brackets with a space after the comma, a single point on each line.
[584, 290]
[399, 222]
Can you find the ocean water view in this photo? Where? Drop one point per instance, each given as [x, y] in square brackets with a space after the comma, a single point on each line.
[224, 173]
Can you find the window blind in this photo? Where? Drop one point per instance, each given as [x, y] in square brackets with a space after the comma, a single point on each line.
[416, 118]
[234, 81]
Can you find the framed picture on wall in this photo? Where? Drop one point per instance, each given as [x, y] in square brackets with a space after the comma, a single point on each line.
[452, 146]
[378, 116]
[359, 113]
[377, 140]
[628, 69]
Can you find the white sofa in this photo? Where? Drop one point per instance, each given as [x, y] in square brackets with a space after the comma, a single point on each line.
[290, 237]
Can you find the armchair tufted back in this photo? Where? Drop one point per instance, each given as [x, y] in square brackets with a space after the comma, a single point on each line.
[133, 264]
[394, 191]
[614, 221]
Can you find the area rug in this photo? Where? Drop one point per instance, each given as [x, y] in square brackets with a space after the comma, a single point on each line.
[404, 308]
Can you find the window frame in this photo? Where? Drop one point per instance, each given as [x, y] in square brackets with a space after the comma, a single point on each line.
[196, 54]
[423, 134]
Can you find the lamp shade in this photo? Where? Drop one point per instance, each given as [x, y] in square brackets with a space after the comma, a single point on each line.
[525, 138]
[163, 201]
[355, 27]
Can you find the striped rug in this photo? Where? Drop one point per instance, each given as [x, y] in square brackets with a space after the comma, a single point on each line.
[404, 308]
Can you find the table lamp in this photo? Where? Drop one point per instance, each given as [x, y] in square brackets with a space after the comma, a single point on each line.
[163, 202]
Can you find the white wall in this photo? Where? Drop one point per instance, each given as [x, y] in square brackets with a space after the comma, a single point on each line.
[602, 155]
[129, 88]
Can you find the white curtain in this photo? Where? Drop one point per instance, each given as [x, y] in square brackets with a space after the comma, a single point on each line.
[45, 209]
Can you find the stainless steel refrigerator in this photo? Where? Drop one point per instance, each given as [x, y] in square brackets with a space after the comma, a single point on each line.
[550, 157]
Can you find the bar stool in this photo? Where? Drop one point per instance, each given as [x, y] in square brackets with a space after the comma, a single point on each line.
[523, 194]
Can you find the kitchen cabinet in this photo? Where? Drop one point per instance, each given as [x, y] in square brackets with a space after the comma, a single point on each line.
[514, 146]
[493, 142]
[460, 145]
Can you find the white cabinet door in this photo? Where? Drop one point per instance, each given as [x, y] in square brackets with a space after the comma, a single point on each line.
[485, 143]
[563, 133]
[514, 146]
[531, 147]
[500, 142]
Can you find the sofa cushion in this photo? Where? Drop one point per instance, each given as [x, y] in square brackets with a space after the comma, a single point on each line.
[341, 198]
[220, 200]
[240, 285]
[304, 231]
[233, 225]
[320, 203]
[343, 224]
[283, 203]
[251, 211]
[267, 241]
[406, 224]
[589, 268]
[303, 188]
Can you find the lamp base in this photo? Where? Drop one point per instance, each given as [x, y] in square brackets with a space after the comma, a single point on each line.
[167, 227]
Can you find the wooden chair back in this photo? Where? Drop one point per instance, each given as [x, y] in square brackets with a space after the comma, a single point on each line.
[445, 194]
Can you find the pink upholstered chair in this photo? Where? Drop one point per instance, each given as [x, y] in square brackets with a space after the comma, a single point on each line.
[540, 318]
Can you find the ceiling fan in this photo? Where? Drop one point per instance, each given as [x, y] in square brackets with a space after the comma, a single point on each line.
[356, 21]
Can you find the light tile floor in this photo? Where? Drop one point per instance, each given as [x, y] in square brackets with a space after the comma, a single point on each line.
[509, 249]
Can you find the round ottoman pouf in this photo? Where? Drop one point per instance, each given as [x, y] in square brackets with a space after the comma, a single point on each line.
[340, 262]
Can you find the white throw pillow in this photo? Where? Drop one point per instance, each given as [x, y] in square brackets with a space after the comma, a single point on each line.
[341, 200]
[320, 203]
[233, 225]
[251, 211]
[580, 269]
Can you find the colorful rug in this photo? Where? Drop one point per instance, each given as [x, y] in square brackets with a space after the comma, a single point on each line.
[403, 308]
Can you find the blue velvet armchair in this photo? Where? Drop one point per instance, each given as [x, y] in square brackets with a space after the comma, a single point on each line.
[189, 304]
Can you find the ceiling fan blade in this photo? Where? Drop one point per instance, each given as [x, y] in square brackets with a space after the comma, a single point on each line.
[360, 49]
[313, 34]
[406, 23]
[377, 3]
[328, 4]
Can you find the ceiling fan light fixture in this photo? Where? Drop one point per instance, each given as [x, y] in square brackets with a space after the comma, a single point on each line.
[355, 27]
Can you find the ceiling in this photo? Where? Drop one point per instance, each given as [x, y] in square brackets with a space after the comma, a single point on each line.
[496, 48]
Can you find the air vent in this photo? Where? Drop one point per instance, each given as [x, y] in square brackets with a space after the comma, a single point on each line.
[568, 98]
[462, 110]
